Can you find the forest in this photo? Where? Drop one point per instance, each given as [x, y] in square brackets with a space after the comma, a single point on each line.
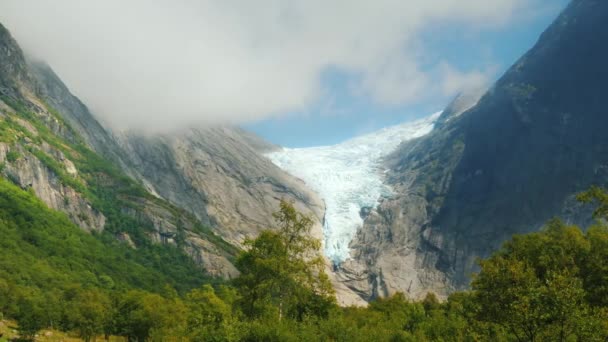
[550, 285]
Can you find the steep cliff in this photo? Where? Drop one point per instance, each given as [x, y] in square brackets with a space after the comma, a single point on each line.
[194, 190]
[221, 176]
[503, 167]
[217, 175]
[47, 145]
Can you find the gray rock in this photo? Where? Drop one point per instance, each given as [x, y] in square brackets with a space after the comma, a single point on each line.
[505, 166]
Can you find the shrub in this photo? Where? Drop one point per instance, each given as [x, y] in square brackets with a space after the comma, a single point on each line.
[12, 156]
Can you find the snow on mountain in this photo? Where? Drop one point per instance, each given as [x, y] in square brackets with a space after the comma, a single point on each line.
[349, 177]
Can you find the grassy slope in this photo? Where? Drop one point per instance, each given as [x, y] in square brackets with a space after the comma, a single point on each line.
[41, 248]
[44, 247]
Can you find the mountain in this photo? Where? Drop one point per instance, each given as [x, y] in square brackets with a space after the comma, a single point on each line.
[406, 209]
[218, 176]
[505, 166]
[216, 170]
[199, 192]
[48, 141]
[221, 176]
[348, 177]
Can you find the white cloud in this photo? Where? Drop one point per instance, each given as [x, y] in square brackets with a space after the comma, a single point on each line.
[163, 63]
[454, 81]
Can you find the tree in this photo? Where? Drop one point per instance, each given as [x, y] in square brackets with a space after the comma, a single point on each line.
[31, 315]
[4, 295]
[533, 286]
[595, 269]
[598, 196]
[143, 316]
[399, 312]
[430, 302]
[88, 313]
[282, 272]
[209, 317]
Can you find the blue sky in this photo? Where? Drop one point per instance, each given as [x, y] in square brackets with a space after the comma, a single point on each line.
[298, 73]
[341, 114]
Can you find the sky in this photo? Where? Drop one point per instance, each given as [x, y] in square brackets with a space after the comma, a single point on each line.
[298, 73]
[491, 51]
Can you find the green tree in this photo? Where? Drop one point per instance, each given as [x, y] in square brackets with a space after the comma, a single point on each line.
[31, 315]
[88, 313]
[533, 286]
[282, 272]
[209, 317]
[142, 316]
[400, 312]
[4, 295]
[595, 269]
[598, 196]
[431, 302]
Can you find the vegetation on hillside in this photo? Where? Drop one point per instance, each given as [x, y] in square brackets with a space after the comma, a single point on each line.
[103, 183]
[49, 139]
[545, 286]
[44, 256]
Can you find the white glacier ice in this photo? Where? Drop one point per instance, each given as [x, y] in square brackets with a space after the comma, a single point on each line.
[348, 177]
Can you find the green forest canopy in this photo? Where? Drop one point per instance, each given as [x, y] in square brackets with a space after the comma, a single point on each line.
[546, 286]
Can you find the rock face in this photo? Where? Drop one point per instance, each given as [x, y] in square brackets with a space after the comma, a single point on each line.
[29, 172]
[221, 176]
[47, 139]
[505, 166]
[13, 69]
[217, 175]
[205, 190]
[52, 90]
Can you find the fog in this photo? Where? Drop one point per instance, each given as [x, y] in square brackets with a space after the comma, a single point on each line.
[163, 64]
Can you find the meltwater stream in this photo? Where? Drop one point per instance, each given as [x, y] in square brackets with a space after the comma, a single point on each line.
[348, 177]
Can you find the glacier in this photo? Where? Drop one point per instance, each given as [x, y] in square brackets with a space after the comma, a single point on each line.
[348, 177]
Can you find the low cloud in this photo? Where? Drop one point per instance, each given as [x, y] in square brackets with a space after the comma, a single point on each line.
[454, 81]
[163, 64]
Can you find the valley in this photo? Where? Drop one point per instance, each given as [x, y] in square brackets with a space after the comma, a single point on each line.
[349, 178]
[483, 221]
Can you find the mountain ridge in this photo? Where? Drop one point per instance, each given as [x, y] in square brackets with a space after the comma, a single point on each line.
[40, 150]
[203, 190]
[505, 166]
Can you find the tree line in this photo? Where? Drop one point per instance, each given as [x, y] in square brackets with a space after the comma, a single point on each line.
[551, 285]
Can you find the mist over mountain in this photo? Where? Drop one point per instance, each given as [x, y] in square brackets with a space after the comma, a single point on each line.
[161, 66]
[179, 197]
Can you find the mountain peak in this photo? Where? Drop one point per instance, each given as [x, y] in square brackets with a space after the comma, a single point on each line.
[507, 165]
[13, 69]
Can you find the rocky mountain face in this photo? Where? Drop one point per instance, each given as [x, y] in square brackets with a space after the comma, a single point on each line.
[54, 92]
[48, 141]
[503, 167]
[221, 176]
[494, 165]
[218, 175]
[203, 190]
